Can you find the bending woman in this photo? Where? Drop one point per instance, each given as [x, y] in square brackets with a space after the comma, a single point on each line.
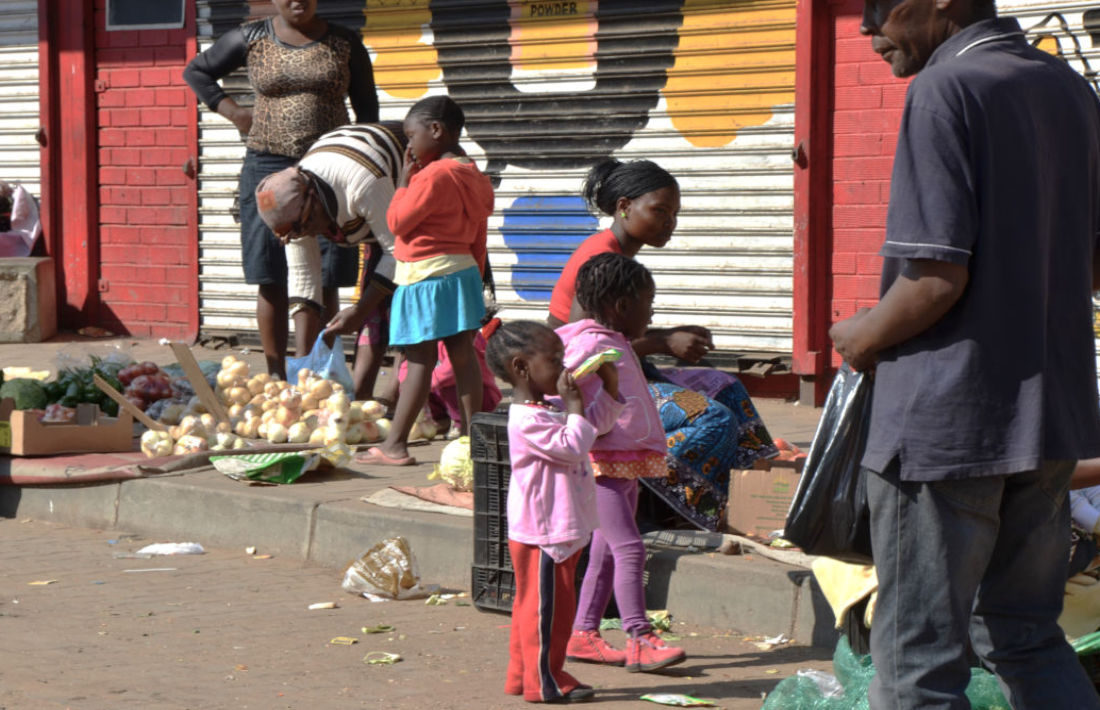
[708, 417]
[301, 67]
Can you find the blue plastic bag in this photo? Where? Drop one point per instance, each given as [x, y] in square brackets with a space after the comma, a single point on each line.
[325, 362]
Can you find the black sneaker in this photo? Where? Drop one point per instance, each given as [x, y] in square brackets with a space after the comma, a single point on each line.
[580, 694]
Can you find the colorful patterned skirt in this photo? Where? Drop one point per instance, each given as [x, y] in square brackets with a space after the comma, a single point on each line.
[711, 427]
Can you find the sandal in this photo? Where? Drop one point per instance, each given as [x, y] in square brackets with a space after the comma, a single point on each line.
[375, 456]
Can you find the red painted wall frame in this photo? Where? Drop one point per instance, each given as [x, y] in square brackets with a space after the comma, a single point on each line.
[74, 145]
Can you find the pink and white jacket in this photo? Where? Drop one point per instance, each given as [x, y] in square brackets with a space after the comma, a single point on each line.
[552, 494]
[638, 429]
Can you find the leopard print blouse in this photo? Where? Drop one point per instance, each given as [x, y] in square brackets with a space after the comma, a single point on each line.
[299, 91]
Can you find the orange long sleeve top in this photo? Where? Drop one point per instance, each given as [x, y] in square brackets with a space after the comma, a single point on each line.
[444, 210]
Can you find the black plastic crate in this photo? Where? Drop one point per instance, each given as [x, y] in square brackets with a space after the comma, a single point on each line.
[493, 581]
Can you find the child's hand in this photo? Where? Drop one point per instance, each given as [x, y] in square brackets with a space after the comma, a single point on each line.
[570, 394]
[610, 376]
[411, 167]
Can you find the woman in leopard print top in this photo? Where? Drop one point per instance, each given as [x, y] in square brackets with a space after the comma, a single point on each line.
[301, 67]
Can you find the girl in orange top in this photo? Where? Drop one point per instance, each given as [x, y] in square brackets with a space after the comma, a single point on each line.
[439, 217]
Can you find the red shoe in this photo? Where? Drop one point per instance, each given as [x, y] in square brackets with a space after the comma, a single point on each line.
[589, 647]
[649, 653]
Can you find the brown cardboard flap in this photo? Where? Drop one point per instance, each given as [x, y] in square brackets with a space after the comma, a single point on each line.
[30, 437]
[198, 382]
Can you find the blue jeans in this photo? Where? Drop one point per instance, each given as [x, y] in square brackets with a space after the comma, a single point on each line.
[981, 560]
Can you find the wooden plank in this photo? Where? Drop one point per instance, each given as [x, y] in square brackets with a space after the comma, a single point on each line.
[127, 405]
[198, 381]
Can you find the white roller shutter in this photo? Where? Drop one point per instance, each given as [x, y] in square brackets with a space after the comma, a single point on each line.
[19, 152]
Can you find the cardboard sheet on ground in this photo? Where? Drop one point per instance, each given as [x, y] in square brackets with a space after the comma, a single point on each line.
[431, 499]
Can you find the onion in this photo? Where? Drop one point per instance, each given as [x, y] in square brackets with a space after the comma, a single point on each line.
[276, 433]
[373, 409]
[322, 389]
[228, 360]
[269, 405]
[239, 369]
[383, 426]
[371, 432]
[271, 389]
[238, 395]
[209, 423]
[225, 379]
[235, 411]
[317, 436]
[285, 416]
[338, 403]
[190, 444]
[355, 413]
[290, 398]
[298, 433]
[303, 375]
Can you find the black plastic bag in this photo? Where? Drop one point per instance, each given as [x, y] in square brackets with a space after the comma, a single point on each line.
[829, 514]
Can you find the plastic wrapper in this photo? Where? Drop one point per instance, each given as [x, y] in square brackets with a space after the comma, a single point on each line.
[816, 690]
[23, 228]
[278, 467]
[325, 362]
[829, 514]
[387, 570]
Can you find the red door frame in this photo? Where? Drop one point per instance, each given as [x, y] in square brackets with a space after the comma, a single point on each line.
[191, 169]
[70, 201]
[813, 196]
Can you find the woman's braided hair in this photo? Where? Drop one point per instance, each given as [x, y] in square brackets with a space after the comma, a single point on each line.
[610, 179]
[607, 277]
[517, 337]
[440, 108]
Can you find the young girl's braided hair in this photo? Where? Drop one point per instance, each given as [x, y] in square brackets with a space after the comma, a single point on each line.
[506, 340]
[440, 108]
[610, 179]
[606, 277]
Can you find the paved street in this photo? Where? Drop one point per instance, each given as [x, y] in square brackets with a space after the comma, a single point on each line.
[225, 630]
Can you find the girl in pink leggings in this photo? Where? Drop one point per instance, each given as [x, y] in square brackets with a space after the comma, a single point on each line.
[616, 295]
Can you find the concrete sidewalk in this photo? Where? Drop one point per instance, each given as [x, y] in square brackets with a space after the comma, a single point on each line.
[324, 519]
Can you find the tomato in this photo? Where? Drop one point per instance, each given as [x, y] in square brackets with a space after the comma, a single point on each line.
[127, 374]
[149, 368]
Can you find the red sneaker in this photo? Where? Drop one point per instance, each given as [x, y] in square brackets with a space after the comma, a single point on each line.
[649, 653]
[589, 647]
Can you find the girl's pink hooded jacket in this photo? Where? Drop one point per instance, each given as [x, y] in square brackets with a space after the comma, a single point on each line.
[638, 428]
[552, 494]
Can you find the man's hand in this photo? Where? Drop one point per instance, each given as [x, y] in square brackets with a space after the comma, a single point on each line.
[848, 338]
[689, 342]
[349, 320]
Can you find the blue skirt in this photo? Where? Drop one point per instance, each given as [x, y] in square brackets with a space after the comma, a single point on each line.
[436, 308]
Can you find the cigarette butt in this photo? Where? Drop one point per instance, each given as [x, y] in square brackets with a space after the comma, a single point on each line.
[322, 605]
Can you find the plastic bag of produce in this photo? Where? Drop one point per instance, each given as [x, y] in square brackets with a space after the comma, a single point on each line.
[325, 362]
[387, 570]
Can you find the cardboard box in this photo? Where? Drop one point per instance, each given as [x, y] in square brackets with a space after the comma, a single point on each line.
[760, 497]
[21, 434]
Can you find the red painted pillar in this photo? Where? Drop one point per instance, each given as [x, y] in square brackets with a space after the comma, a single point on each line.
[812, 197]
[67, 104]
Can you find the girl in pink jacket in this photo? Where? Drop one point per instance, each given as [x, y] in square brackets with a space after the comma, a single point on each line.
[551, 499]
[616, 294]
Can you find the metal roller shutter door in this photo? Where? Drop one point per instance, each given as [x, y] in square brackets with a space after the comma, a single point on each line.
[704, 88]
[227, 305]
[19, 152]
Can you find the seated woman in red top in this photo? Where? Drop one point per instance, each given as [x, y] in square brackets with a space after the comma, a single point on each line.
[708, 416]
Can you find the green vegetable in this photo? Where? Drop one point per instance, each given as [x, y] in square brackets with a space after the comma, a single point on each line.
[28, 394]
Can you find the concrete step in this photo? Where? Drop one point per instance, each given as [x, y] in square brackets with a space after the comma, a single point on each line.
[326, 522]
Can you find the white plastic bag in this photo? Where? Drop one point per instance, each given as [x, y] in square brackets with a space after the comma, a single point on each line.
[25, 224]
[386, 570]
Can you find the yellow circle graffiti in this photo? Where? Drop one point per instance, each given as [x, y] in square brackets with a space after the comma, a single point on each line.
[734, 64]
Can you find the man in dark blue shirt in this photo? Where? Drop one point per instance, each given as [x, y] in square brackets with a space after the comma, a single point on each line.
[985, 385]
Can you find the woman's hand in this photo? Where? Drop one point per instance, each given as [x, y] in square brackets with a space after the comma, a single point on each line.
[411, 167]
[570, 394]
[610, 376]
[689, 342]
[241, 117]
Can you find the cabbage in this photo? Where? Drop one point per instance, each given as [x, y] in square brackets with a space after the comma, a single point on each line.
[455, 465]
